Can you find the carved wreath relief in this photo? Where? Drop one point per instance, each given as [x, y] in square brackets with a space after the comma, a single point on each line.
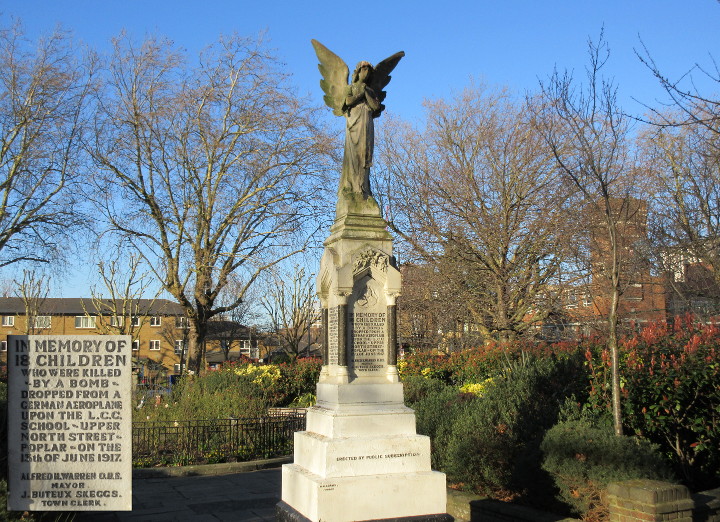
[371, 259]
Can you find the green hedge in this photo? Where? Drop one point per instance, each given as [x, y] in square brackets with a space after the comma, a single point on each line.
[491, 442]
[584, 458]
[670, 379]
[670, 375]
[240, 391]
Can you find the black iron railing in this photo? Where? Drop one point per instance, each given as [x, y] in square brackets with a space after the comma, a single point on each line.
[211, 441]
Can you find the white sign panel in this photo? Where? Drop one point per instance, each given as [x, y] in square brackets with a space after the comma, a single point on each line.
[69, 423]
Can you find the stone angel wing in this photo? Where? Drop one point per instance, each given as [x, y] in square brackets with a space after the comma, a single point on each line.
[335, 75]
[381, 77]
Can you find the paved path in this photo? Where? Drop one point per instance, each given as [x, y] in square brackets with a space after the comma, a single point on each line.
[249, 496]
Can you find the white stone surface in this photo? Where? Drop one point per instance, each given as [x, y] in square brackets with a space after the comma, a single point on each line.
[69, 423]
[360, 394]
[367, 497]
[351, 423]
[355, 456]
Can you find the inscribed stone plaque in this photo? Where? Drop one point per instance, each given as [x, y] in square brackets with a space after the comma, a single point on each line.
[69, 423]
[367, 322]
[332, 335]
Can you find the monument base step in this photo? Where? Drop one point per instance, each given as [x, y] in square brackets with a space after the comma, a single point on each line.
[361, 456]
[286, 513]
[360, 395]
[361, 423]
[392, 496]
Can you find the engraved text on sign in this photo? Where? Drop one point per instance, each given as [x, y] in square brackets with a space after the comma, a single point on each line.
[332, 336]
[368, 341]
[69, 431]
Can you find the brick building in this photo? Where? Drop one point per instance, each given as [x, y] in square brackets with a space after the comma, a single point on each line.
[683, 285]
[156, 326]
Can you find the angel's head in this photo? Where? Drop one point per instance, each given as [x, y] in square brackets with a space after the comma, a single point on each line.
[363, 72]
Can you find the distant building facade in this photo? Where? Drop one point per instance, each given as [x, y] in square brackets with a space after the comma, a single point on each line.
[158, 328]
[648, 294]
[431, 318]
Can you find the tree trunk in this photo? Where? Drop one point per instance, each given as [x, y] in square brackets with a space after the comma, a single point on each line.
[613, 324]
[196, 348]
[615, 363]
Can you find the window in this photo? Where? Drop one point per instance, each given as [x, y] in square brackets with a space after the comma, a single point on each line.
[155, 320]
[181, 322]
[155, 344]
[8, 320]
[135, 321]
[117, 321]
[571, 301]
[41, 321]
[245, 347]
[179, 346]
[3, 346]
[136, 346]
[84, 321]
[179, 368]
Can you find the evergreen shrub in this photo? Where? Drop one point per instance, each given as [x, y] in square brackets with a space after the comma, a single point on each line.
[297, 379]
[490, 442]
[437, 406]
[494, 446]
[670, 394]
[583, 458]
[417, 388]
[237, 390]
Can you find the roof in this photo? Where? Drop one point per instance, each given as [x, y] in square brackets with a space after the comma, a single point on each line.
[83, 305]
[216, 357]
[219, 329]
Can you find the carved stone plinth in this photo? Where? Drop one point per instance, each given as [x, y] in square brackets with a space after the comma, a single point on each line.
[360, 457]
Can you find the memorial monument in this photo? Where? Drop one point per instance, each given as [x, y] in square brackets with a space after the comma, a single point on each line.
[360, 457]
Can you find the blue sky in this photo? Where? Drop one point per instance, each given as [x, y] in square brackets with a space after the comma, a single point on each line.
[512, 43]
[447, 42]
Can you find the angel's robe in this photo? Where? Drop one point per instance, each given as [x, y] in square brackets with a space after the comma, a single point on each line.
[359, 144]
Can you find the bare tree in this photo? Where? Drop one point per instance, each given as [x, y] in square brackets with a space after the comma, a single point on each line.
[235, 327]
[433, 311]
[122, 302]
[684, 166]
[174, 331]
[588, 135]
[43, 90]
[7, 287]
[691, 107]
[682, 151]
[202, 169]
[33, 289]
[291, 305]
[475, 194]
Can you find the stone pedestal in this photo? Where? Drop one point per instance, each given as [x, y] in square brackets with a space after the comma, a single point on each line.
[360, 457]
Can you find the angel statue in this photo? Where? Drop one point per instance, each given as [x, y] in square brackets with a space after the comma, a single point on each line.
[360, 102]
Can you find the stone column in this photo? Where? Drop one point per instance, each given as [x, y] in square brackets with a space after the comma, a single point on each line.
[324, 321]
[392, 334]
[342, 335]
[360, 457]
